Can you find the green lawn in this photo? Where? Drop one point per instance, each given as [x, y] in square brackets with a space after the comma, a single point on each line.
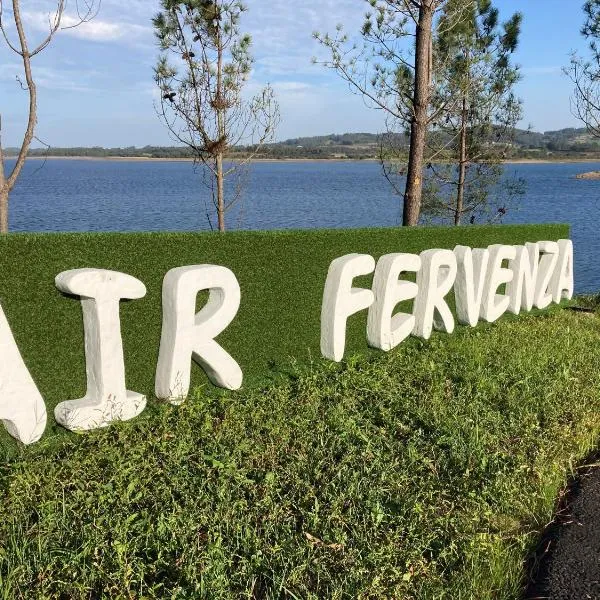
[281, 274]
[424, 473]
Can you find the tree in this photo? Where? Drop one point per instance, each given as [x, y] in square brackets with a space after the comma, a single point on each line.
[477, 129]
[395, 76]
[201, 94]
[585, 74]
[11, 26]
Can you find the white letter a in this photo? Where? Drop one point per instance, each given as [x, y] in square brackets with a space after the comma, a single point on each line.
[22, 409]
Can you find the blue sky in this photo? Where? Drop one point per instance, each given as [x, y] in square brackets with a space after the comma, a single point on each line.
[96, 87]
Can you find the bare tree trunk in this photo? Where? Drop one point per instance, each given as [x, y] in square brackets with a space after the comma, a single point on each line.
[220, 195]
[220, 107]
[462, 165]
[7, 184]
[419, 124]
[3, 209]
[3, 190]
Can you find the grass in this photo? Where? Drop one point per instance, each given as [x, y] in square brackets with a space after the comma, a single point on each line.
[281, 274]
[425, 473]
[589, 302]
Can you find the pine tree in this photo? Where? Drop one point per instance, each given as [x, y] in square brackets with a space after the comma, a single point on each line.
[201, 90]
[585, 73]
[393, 70]
[476, 85]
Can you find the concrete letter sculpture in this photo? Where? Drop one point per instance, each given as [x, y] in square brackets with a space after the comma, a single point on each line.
[385, 331]
[340, 300]
[107, 398]
[187, 335]
[22, 408]
[562, 282]
[548, 260]
[521, 289]
[470, 280]
[435, 280]
[494, 305]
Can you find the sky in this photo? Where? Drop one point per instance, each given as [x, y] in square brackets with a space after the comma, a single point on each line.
[96, 88]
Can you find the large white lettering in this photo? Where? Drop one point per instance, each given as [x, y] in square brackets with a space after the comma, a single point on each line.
[434, 280]
[187, 335]
[548, 259]
[533, 275]
[341, 300]
[472, 267]
[562, 283]
[22, 409]
[494, 305]
[107, 398]
[385, 331]
[521, 289]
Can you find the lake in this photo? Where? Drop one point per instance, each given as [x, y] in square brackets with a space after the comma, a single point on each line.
[98, 195]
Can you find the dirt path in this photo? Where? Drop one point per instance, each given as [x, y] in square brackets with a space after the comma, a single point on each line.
[571, 563]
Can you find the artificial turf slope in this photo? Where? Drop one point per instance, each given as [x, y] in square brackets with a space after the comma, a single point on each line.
[281, 274]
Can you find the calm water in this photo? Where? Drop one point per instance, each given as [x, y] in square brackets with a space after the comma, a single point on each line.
[67, 195]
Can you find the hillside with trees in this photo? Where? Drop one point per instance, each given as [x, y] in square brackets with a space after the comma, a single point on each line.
[565, 143]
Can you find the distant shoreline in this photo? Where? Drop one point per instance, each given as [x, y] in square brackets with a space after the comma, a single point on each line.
[516, 161]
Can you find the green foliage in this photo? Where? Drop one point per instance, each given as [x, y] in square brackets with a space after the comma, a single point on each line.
[469, 101]
[591, 27]
[281, 274]
[213, 62]
[380, 67]
[588, 301]
[475, 82]
[564, 143]
[205, 64]
[584, 73]
[423, 473]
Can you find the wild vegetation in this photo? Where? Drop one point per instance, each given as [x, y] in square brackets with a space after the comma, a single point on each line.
[281, 274]
[424, 473]
[568, 143]
[441, 72]
[473, 136]
[585, 72]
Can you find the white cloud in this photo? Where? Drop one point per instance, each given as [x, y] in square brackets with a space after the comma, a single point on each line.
[282, 35]
[69, 80]
[292, 86]
[96, 30]
[77, 80]
[48, 78]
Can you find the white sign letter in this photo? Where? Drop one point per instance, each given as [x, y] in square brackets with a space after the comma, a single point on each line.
[435, 279]
[562, 282]
[385, 331]
[521, 290]
[547, 265]
[187, 335]
[495, 305]
[340, 300]
[22, 409]
[107, 398]
[470, 281]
